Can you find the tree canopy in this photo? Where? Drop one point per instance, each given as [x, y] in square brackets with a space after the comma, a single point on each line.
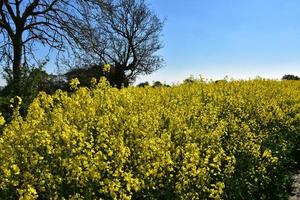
[23, 23]
[124, 33]
[290, 77]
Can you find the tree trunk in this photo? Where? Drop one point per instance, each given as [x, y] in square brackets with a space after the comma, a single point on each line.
[119, 77]
[17, 64]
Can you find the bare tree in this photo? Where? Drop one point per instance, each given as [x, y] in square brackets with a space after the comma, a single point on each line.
[125, 34]
[25, 22]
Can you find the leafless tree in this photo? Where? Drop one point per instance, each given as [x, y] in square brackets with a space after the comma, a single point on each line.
[124, 33]
[23, 23]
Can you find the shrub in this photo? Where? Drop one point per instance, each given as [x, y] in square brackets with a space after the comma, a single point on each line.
[290, 77]
[144, 84]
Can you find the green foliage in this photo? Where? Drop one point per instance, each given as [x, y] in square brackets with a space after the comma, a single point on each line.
[85, 74]
[33, 80]
[221, 81]
[115, 76]
[144, 84]
[290, 77]
[191, 79]
[193, 141]
[159, 84]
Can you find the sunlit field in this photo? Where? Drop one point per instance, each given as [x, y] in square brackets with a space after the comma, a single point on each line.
[198, 140]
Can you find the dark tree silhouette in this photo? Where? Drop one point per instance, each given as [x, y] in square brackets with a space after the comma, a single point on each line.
[85, 74]
[290, 77]
[157, 84]
[143, 84]
[125, 34]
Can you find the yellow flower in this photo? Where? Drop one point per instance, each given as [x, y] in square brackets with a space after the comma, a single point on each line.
[74, 83]
[136, 142]
[2, 120]
[16, 169]
[106, 68]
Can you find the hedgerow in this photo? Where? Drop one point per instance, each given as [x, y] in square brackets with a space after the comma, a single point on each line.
[227, 140]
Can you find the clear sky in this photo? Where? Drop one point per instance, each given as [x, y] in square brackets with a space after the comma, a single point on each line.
[240, 39]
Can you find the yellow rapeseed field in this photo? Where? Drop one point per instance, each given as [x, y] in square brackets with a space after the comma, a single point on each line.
[226, 140]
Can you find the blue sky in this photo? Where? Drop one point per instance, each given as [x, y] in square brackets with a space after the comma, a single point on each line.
[240, 39]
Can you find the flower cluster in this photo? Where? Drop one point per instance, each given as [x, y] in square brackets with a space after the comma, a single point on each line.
[233, 140]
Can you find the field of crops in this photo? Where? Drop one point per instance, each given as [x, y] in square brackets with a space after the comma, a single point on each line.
[226, 140]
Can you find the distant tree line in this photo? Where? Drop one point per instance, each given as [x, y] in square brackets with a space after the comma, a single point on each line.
[291, 77]
[155, 84]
